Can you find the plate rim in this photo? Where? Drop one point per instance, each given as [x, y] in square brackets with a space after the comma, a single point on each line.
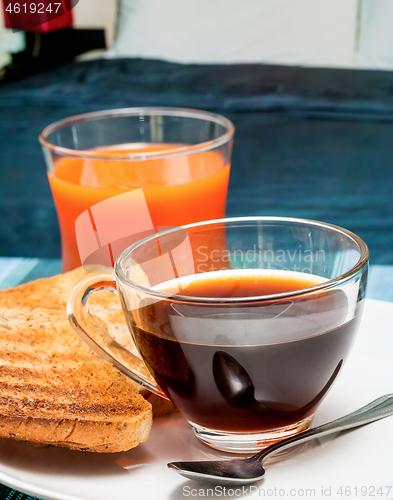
[37, 491]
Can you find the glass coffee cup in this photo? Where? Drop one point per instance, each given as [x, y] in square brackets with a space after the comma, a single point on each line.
[244, 323]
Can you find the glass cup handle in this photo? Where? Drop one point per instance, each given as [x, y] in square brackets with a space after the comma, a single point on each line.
[98, 339]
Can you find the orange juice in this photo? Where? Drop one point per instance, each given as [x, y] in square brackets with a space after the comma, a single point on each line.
[178, 190]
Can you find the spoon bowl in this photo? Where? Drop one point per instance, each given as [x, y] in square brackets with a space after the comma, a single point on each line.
[237, 388]
[239, 472]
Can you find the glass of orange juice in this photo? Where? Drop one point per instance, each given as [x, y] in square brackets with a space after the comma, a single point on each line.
[179, 157]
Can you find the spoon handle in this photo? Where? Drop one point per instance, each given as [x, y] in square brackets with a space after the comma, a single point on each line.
[380, 408]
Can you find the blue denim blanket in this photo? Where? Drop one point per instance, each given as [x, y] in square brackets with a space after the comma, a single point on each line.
[312, 143]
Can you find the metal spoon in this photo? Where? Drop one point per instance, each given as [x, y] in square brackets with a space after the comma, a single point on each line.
[237, 388]
[245, 471]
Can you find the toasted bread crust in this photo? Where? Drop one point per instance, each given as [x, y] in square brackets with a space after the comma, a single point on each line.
[86, 435]
[55, 390]
[46, 293]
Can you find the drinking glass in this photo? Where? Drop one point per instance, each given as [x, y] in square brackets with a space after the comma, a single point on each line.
[180, 158]
[244, 323]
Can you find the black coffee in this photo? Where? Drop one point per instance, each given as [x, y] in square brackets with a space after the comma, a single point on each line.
[232, 368]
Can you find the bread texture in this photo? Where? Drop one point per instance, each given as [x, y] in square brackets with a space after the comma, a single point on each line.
[112, 320]
[54, 388]
[45, 293]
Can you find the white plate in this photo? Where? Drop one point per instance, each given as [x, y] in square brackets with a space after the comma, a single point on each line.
[355, 464]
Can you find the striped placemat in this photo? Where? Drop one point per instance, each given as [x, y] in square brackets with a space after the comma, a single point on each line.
[16, 270]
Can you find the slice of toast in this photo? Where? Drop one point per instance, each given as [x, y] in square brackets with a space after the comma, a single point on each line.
[52, 293]
[55, 390]
[45, 293]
